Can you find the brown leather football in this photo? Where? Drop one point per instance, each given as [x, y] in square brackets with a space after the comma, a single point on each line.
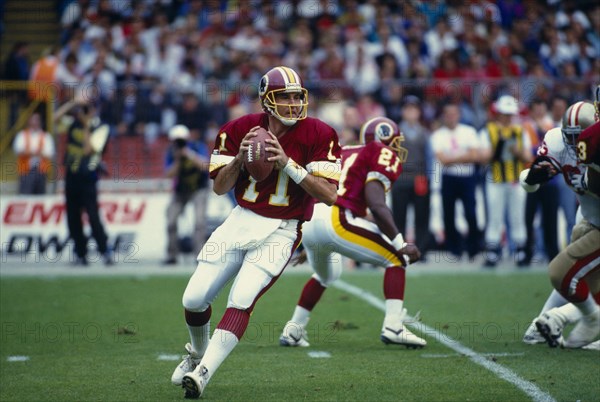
[255, 160]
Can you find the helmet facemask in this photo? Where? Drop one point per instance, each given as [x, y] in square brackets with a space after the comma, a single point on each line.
[396, 145]
[577, 118]
[272, 106]
[570, 135]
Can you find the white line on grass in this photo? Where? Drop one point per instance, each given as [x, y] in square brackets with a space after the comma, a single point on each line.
[17, 358]
[319, 354]
[446, 355]
[529, 388]
[167, 357]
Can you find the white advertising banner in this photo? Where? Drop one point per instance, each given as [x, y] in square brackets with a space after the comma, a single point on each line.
[34, 228]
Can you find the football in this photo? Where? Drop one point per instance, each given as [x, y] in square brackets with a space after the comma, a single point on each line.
[255, 160]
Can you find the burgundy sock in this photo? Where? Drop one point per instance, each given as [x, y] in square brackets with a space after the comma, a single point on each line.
[311, 294]
[235, 321]
[198, 319]
[394, 282]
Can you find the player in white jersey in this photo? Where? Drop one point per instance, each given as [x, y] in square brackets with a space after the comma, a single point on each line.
[574, 272]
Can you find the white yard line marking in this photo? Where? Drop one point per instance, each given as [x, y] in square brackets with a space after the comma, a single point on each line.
[17, 358]
[502, 372]
[445, 355]
[319, 354]
[167, 357]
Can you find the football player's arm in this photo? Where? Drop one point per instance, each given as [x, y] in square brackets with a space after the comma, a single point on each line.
[382, 214]
[541, 171]
[320, 188]
[227, 175]
[317, 187]
[375, 198]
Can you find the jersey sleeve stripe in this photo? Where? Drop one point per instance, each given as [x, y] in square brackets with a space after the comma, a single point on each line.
[218, 161]
[387, 184]
[328, 170]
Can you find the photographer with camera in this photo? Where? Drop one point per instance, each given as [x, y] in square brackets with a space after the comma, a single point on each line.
[187, 163]
[82, 165]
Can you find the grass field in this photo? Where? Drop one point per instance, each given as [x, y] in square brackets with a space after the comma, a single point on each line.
[103, 338]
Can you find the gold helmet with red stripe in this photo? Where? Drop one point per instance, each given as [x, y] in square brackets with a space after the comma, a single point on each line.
[283, 80]
[577, 118]
[384, 130]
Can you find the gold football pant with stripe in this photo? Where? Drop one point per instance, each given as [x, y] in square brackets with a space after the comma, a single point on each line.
[575, 271]
[333, 231]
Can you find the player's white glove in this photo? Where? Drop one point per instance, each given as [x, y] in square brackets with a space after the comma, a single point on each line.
[579, 181]
[530, 188]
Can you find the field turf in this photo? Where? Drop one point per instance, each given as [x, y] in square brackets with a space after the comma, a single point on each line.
[111, 338]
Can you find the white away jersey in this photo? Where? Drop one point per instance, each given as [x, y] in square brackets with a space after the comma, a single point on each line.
[565, 159]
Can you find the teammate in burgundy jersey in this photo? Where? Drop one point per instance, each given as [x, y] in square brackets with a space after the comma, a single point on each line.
[256, 241]
[363, 165]
[369, 170]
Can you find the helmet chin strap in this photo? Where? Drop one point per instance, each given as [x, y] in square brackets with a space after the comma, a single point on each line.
[283, 120]
[286, 122]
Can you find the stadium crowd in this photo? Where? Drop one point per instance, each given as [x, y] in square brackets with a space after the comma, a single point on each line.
[148, 65]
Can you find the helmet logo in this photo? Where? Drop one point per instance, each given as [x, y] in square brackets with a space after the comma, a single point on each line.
[384, 131]
[264, 84]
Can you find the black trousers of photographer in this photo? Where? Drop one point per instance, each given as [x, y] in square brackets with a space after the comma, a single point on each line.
[82, 196]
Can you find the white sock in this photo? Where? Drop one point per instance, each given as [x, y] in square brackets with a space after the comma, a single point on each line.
[220, 346]
[301, 316]
[589, 306]
[393, 312]
[570, 312]
[199, 337]
[554, 300]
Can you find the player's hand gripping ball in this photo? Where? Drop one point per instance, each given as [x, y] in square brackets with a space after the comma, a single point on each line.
[255, 160]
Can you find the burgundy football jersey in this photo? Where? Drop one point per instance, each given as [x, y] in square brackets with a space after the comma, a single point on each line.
[310, 142]
[361, 164]
[588, 145]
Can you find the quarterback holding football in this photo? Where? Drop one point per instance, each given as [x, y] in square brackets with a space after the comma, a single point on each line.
[257, 240]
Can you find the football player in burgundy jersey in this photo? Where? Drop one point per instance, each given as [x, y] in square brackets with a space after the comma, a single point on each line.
[256, 241]
[575, 271]
[368, 172]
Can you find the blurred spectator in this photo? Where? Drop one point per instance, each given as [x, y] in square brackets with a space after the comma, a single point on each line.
[34, 148]
[130, 111]
[193, 113]
[388, 43]
[99, 85]
[547, 197]
[440, 39]
[16, 67]
[82, 163]
[412, 187]
[361, 71]
[507, 149]
[457, 148]
[368, 108]
[42, 76]
[187, 163]
[69, 77]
